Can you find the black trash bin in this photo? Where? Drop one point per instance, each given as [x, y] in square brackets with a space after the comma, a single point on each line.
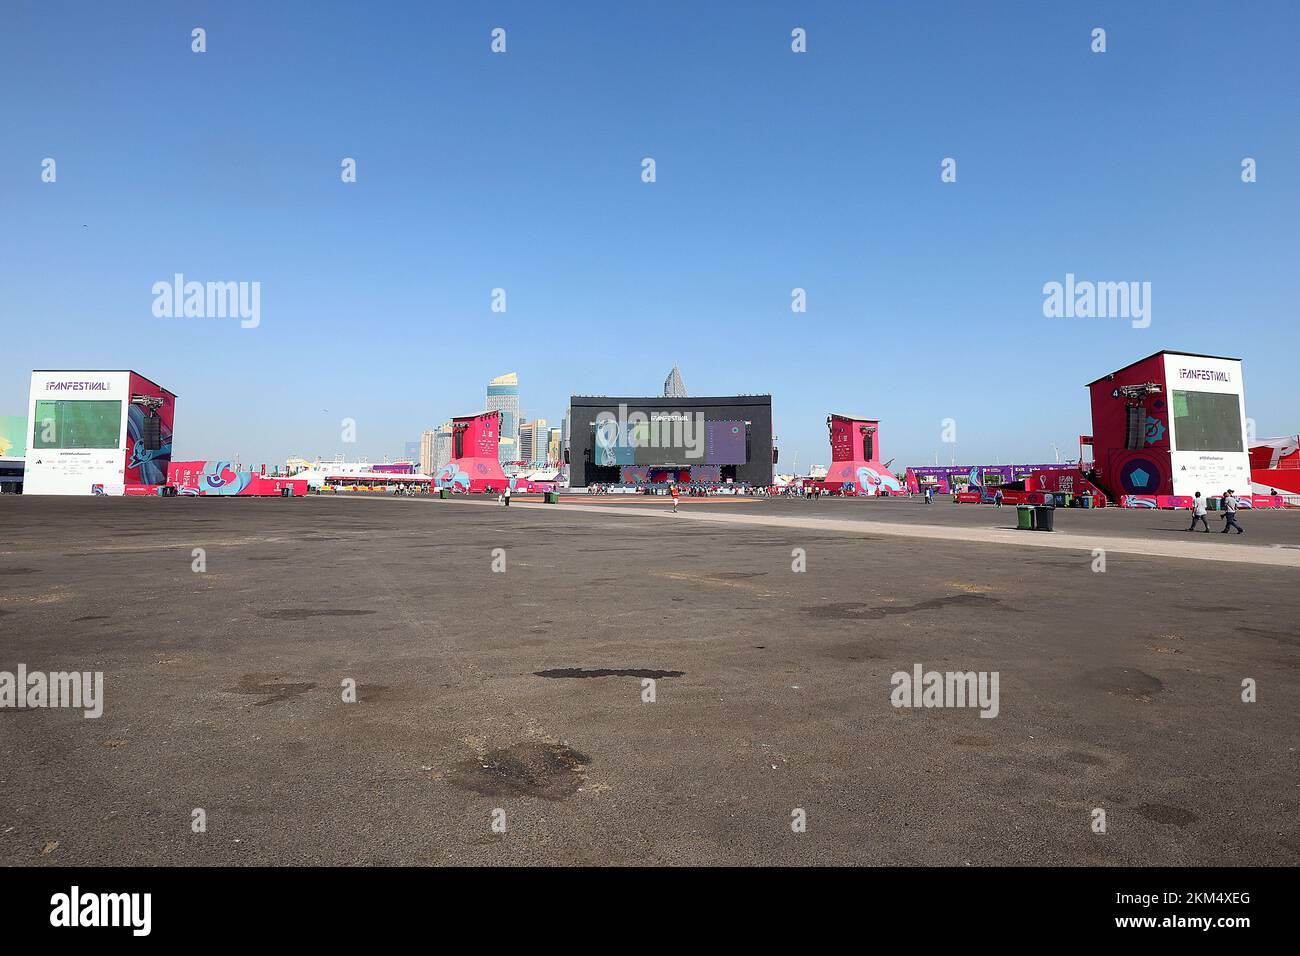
[1043, 517]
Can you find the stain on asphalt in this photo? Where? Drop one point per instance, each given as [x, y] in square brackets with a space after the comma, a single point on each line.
[273, 691]
[21, 571]
[91, 617]
[582, 673]
[852, 611]
[1286, 637]
[302, 613]
[734, 575]
[1078, 756]
[1161, 813]
[1124, 680]
[530, 769]
[371, 693]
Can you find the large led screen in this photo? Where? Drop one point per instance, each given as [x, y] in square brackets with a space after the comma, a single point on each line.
[1207, 421]
[724, 443]
[77, 423]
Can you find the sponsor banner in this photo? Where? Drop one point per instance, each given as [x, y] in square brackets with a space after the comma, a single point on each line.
[134, 489]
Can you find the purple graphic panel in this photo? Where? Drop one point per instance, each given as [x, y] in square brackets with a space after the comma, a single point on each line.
[724, 443]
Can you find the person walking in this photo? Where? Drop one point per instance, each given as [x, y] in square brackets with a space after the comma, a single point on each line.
[672, 490]
[1198, 513]
[997, 498]
[1229, 506]
[505, 496]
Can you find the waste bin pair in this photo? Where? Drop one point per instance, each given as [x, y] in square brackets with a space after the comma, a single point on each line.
[551, 497]
[1035, 517]
[444, 492]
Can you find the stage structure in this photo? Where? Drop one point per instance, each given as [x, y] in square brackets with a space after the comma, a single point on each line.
[855, 458]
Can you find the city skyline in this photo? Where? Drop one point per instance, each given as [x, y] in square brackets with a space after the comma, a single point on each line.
[825, 190]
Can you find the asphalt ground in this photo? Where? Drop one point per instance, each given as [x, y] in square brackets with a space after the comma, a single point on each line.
[1264, 528]
[522, 691]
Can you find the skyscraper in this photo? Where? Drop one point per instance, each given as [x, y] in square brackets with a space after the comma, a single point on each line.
[503, 397]
[435, 449]
[532, 441]
[674, 387]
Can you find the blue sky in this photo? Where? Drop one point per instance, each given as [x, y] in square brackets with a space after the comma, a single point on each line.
[522, 171]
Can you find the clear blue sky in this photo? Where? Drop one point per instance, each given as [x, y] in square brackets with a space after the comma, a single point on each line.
[522, 171]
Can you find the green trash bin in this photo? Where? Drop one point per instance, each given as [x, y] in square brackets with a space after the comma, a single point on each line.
[552, 497]
[444, 492]
[1212, 504]
[1025, 517]
[1069, 500]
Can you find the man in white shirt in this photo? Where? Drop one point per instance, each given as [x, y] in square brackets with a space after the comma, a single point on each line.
[1229, 506]
[1198, 513]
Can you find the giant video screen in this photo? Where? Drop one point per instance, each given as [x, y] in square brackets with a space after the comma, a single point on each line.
[77, 423]
[1207, 421]
[725, 443]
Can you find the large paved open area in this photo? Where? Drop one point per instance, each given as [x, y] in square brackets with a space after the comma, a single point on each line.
[522, 691]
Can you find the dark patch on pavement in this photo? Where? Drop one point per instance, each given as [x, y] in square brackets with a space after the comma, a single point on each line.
[530, 769]
[371, 693]
[861, 612]
[1078, 756]
[253, 686]
[302, 613]
[1124, 680]
[21, 571]
[91, 617]
[1162, 813]
[580, 672]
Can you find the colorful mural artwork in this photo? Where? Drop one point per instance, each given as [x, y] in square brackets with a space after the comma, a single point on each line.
[146, 466]
[453, 477]
[220, 479]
